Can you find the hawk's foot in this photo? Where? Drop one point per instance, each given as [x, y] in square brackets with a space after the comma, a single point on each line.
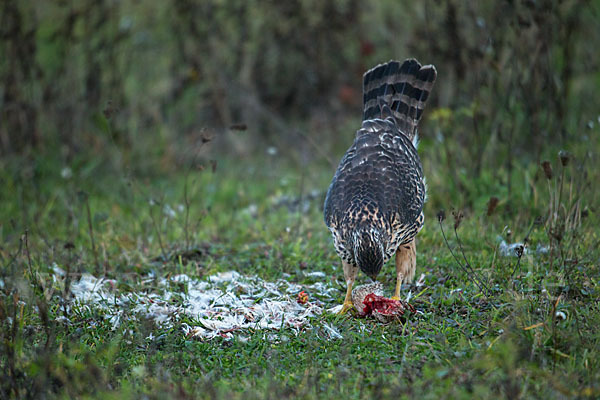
[346, 307]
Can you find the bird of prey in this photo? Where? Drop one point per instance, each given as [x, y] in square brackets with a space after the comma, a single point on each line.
[374, 205]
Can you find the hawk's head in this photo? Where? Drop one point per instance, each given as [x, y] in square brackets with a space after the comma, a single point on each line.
[368, 251]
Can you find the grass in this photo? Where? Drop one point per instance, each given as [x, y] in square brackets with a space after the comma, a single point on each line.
[259, 217]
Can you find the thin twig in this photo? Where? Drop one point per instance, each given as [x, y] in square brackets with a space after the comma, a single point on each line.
[186, 199]
[67, 289]
[14, 257]
[483, 290]
[186, 219]
[522, 250]
[29, 264]
[91, 230]
[160, 243]
[467, 264]
[42, 305]
[554, 306]
[300, 199]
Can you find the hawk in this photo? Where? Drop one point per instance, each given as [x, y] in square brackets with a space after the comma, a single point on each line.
[374, 205]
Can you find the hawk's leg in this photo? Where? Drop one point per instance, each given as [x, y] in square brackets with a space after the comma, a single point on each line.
[406, 263]
[350, 272]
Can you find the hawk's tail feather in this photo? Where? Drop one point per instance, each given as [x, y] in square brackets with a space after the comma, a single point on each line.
[404, 88]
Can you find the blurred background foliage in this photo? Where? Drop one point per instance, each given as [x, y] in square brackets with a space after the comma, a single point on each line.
[140, 85]
[109, 110]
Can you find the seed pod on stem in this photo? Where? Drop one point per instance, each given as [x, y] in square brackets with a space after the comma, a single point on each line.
[547, 169]
[565, 157]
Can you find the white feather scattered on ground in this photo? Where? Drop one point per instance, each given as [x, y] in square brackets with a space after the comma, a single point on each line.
[219, 306]
[421, 281]
[513, 249]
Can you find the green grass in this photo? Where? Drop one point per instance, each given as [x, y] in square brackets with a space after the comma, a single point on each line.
[464, 343]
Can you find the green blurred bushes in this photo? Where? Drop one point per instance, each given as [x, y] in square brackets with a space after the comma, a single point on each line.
[514, 76]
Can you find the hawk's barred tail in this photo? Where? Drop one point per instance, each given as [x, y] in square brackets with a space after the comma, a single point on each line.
[404, 88]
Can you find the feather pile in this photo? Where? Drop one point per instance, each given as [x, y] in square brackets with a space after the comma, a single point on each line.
[221, 305]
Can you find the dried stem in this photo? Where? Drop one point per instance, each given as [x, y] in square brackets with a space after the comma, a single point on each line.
[483, 289]
[467, 264]
[160, 243]
[91, 232]
[186, 202]
[186, 199]
[522, 251]
[29, 264]
[554, 306]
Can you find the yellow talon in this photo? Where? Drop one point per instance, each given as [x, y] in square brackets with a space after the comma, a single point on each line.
[346, 307]
[395, 298]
